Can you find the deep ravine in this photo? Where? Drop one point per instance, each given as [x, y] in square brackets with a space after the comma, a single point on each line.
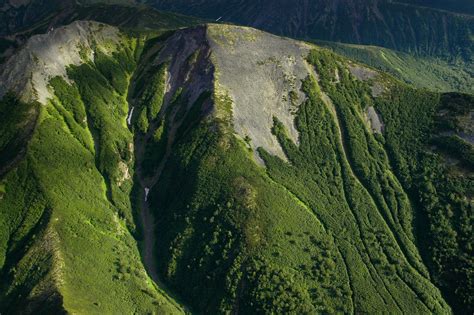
[145, 184]
[146, 216]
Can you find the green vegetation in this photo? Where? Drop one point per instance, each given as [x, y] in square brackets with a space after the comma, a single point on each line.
[443, 200]
[458, 147]
[149, 95]
[17, 121]
[251, 237]
[341, 172]
[65, 215]
[431, 73]
[239, 239]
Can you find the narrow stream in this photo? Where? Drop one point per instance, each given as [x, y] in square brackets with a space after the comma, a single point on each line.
[147, 191]
[129, 118]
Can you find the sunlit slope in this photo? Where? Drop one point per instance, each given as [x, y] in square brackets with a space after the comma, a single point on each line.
[67, 239]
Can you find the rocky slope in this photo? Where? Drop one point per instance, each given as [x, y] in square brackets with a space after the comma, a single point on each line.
[223, 169]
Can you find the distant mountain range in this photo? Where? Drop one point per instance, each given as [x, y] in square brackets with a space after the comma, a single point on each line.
[413, 29]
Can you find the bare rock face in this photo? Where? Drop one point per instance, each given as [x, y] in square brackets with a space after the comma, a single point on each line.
[262, 74]
[375, 120]
[45, 56]
[187, 54]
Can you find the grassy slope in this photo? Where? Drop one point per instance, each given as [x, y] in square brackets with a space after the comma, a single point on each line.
[226, 226]
[71, 193]
[341, 170]
[423, 72]
[332, 231]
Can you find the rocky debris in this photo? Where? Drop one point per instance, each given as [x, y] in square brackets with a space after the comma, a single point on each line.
[366, 74]
[192, 76]
[125, 173]
[361, 73]
[262, 74]
[377, 89]
[375, 120]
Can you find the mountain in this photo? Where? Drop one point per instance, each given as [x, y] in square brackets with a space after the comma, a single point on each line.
[141, 18]
[460, 6]
[413, 29]
[21, 19]
[222, 169]
[16, 15]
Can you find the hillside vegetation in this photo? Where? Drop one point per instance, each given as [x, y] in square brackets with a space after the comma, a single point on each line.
[157, 178]
[66, 217]
[431, 73]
